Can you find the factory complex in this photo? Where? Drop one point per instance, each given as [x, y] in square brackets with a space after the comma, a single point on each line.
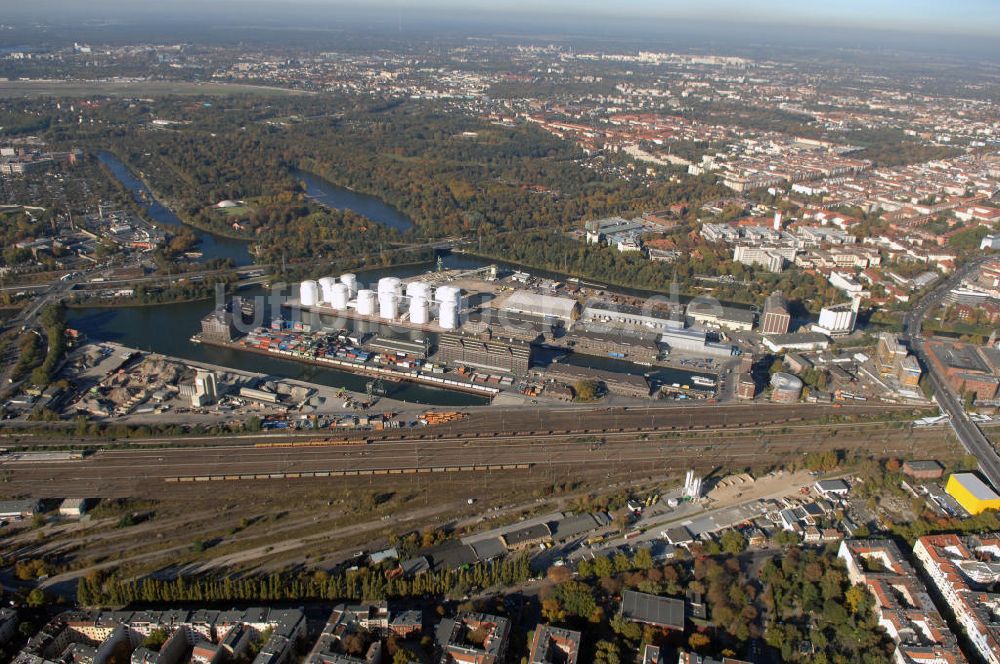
[482, 336]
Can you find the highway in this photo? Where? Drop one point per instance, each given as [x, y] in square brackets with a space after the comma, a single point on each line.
[972, 439]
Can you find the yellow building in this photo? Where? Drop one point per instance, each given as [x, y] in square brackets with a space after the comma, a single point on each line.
[972, 493]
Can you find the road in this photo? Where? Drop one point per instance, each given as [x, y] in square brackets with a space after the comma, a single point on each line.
[972, 439]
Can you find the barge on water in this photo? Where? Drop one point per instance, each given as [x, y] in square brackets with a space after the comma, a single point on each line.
[339, 350]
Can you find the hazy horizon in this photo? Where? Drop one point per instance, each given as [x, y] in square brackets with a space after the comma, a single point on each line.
[958, 22]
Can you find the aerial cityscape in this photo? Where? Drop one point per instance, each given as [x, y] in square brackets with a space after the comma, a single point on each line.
[443, 332]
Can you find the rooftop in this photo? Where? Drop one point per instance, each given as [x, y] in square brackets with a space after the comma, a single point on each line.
[971, 482]
[652, 609]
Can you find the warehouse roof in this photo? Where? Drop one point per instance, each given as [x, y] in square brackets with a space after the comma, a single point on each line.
[979, 489]
[924, 465]
[489, 549]
[526, 534]
[702, 308]
[654, 610]
[539, 304]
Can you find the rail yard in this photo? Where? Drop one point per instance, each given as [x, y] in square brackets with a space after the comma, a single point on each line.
[645, 442]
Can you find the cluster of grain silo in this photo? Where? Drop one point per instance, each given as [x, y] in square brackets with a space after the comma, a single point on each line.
[329, 291]
[387, 300]
[785, 388]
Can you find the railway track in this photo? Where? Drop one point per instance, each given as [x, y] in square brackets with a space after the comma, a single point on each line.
[437, 434]
[138, 471]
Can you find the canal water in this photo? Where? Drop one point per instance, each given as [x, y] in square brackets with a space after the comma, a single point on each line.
[216, 246]
[211, 246]
[330, 195]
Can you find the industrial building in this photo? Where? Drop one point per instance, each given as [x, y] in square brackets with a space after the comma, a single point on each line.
[218, 325]
[18, 509]
[653, 610]
[838, 319]
[542, 307]
[387, 301]
[695, 342]
[414, 347]
[484, 351]
[74, 507]
[892, 359]
[777, 343]
[775, 318]
[712, 314]
[618, 344]
[785, 388]
[626, 318]
[746, 388]
[974, 495]
[928, 469]
[614, 382]
[966, 367]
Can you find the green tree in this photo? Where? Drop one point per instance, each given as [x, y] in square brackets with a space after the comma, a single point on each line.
[37, 598]
[732, 542]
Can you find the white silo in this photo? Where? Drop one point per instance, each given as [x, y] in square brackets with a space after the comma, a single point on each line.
[366, 302]
[420, 310]
[339, 295]
[449, 294]
[309, 293]
[419, 289]
[448, 315]
[444, 293]
[352, 282]
[388, 306]
[390, 285]
[326, 285]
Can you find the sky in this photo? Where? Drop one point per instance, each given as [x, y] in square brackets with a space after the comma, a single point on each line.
[955, 17]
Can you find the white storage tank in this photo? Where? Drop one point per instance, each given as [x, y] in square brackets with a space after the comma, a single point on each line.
[366, 302]
[351, 280]
[339, 295]
[785, 388]
[419, 289]
[448, 315]
[326, 285]
[420, 310]
[390, 285]
[388, 306]
[446, 294]
[309, 293]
